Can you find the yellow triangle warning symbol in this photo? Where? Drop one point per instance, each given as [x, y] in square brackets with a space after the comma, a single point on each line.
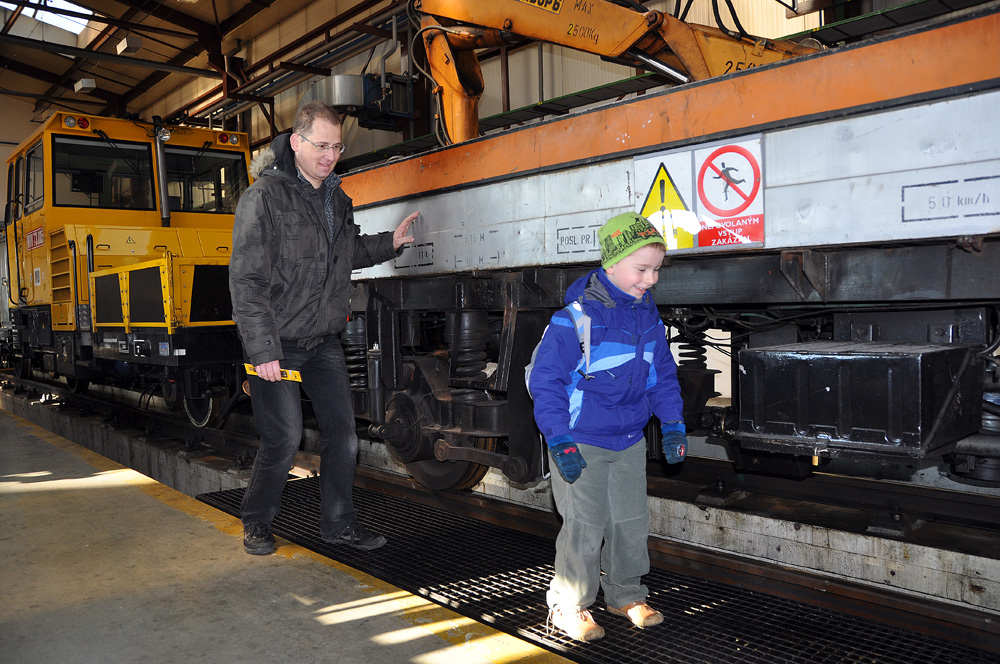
[129, 240]
[665, 207]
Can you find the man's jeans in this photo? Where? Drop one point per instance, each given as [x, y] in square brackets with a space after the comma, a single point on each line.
[277, 415]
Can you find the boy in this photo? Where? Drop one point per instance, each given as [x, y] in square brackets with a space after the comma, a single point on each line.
[593, 419]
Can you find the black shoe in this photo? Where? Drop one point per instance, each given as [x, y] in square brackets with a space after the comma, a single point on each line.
[357, 536]
[257, 539]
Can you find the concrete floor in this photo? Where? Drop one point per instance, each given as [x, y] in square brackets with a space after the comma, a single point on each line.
[99, 563]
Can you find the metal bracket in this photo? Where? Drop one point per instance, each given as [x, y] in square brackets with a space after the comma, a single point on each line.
[510, 466]
[804, 269]
[972, 244]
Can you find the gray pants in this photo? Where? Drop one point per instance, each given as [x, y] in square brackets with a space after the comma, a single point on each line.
[606, 504]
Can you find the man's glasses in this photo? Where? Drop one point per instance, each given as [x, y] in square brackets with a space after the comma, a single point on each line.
[325, 147]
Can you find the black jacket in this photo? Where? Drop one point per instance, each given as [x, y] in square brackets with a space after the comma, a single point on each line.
[289, 281]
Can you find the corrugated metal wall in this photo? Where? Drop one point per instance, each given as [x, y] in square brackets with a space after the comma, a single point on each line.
[562, 71]
[565, 71]
[763, 18]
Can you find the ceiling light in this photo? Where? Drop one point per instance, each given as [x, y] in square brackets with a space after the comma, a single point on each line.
[131, 44]
[84, 85]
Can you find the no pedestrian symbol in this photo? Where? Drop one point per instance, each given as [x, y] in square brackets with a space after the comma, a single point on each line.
[729, 181]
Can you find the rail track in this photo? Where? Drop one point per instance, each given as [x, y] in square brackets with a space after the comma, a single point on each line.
[894, 509]
[702, 480]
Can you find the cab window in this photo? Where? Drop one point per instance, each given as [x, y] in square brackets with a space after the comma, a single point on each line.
[34, 179]
[204, 180]
[18, 194]
[94, 173]
[13, 212]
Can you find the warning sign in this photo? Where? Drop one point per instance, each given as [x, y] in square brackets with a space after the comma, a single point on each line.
[666, 208]
[729, 194]
[703, 198]
[666, 183]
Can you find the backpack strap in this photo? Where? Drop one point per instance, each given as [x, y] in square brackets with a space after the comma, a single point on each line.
[582, 322]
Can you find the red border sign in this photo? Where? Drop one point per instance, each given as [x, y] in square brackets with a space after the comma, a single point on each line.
[747, 198]
[36, 238]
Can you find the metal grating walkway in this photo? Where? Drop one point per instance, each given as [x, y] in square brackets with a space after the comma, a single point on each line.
[499, 577]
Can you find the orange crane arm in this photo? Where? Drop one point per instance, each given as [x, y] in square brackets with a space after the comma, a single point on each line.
[452, 29]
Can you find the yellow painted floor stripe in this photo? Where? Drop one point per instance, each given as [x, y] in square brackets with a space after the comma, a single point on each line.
[424, 615]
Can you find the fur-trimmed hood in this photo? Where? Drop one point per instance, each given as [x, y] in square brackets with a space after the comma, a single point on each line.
[263, 161]
[279, 155]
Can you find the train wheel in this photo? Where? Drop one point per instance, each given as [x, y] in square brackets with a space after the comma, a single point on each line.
[173, 395]
[22, 367]
[458, 475]
[202, 411]
[77, 385]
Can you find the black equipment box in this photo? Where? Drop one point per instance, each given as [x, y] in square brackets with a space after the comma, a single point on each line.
[837, 398]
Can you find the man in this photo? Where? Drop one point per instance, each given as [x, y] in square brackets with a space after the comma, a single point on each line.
[294, 246]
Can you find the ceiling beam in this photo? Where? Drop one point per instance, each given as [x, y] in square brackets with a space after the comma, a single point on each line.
[267, 63]
[305, 69]
[78, 63]
[50, 99]
[100, 18]
[201, 45]
[54, 79]
[72, 51]
[321, 31]
[244, 14]
[206, 38]
[145, 84]
[11, 20]
[170, 15]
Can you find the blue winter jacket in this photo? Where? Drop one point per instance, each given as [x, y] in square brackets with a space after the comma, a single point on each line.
[632, 373]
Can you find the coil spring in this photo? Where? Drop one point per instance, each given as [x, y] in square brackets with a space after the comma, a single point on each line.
[354, 339]
[469, 345]
[693, 351]
[991, 422]
[470, 338]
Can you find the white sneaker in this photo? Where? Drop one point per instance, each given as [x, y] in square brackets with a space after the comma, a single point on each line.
[640, 613]
[577, 625]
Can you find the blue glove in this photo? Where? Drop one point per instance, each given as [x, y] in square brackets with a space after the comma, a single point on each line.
[567, 457]
[674, 441]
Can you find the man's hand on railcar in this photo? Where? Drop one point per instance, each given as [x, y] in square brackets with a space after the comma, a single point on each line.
[399, 236]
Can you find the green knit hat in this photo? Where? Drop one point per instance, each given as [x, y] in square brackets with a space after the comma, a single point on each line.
[623, 234]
